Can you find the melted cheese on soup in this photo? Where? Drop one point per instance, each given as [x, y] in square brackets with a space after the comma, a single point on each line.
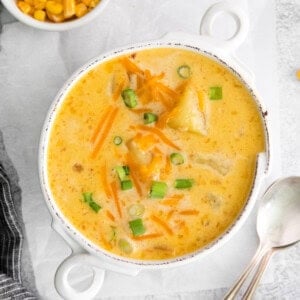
[153, 155]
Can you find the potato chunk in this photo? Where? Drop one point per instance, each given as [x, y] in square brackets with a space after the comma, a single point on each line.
[138, 153]
[147, 164]
[191, 112]
[214, 200]
[215, 161]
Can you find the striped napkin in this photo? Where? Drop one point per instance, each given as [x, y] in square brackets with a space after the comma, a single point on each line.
[12, 278]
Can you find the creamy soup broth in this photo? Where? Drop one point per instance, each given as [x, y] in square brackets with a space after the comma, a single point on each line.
[152, 155]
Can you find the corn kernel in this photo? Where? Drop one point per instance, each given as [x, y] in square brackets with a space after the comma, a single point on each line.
[30, 2]
[93, 3]
[86, 2]
[80, 10]
[54, 7]
[39, 4]
[69, 8]
[298, 74]
[55, 18]
[24, 7]
[39, 15]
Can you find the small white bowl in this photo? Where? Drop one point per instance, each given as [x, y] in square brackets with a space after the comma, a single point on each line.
[11, 6]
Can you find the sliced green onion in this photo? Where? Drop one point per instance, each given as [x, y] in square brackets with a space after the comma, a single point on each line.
[184, 71]
[127, 170]
[137, 227]
[183, 183]
[158, 189]
[176, 159]
[215, 93]
[129, 98]
[150, 118]
[88, 198]
[118, 140]
[125, 246]
[94, 206]
[136, 210]
[122, 171]
[126, 185]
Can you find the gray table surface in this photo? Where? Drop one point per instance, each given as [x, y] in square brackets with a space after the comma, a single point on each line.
[287, 271]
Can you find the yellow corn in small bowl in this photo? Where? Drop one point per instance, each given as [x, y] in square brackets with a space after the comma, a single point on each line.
[55, 15]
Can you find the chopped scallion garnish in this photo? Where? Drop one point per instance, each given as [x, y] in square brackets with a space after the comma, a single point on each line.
[88, 198]
[126, 185]
[176, 159]
[127, 170]
[150, 118]
[94, 206]
[125, 246]
[183, 183]
[158, 189]
[137, 227]
[184, 71]
[215, 93]
[136, 210]
[118, 140]
[129, 98]
[121, 172]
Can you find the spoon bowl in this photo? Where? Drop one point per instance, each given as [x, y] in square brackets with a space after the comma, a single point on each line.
[278, 219]
[278, 226]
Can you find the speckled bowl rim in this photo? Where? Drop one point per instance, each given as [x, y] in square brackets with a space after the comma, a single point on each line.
[91, 247]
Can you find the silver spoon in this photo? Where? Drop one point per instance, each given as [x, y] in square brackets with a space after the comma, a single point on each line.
[278, 226]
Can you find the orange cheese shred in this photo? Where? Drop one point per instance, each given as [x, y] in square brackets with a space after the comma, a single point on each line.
[162, 224]
[136, 183]
[170, 214]
[140, 110]
[173, 200]
[158, 133]
[102, 121]
[114, 188]
[164, 89]
[118, 91]
[110, 215]
[168, 166]
[108, 124]
[147, 236]
[105, 182]
[131, 67]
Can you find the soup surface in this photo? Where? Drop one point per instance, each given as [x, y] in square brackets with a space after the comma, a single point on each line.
[152, 155]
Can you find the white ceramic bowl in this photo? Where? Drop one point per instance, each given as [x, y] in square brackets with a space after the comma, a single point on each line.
[11, 6]
[84, 251]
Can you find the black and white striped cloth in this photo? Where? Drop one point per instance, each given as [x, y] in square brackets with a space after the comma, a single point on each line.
[11, 235]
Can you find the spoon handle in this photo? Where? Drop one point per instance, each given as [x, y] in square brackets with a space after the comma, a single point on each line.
[257, 276]
[231, 294]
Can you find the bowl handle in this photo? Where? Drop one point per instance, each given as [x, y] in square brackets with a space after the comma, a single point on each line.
[233, 8]
[63, 286]
[80, 257]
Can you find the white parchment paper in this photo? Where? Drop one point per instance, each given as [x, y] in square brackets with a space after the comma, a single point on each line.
[33, 66]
